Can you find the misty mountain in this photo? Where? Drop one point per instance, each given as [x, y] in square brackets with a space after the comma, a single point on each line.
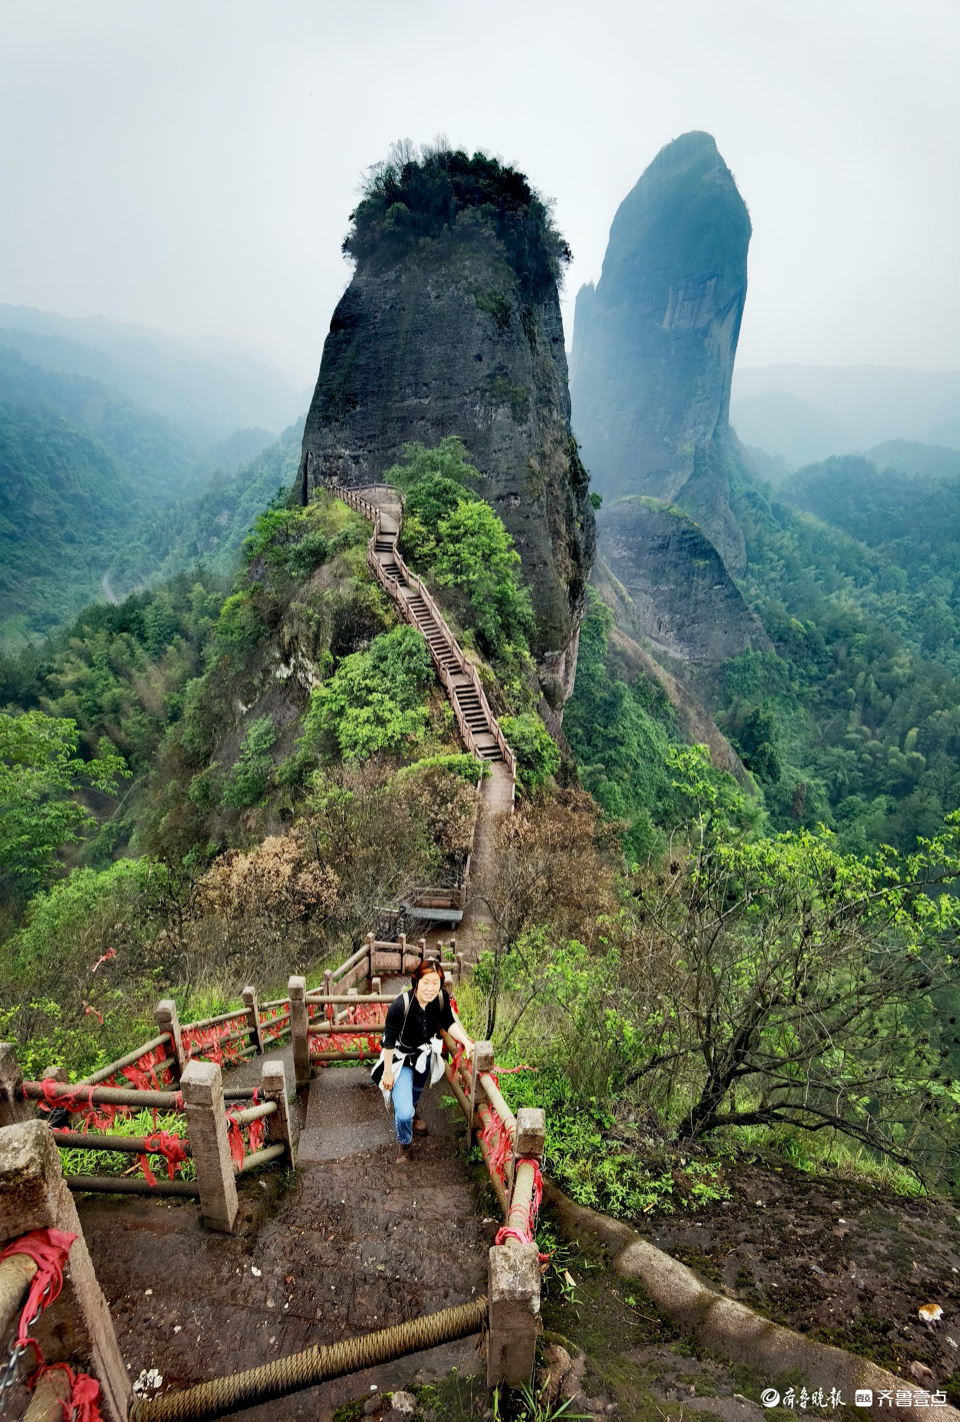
[94, 484]
[924, 461]
[806, 413]
[205, 386]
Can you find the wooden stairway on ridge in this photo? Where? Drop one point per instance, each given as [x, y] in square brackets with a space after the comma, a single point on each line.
[477, 724]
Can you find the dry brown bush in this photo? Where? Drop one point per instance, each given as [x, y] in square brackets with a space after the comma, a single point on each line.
[275, 879]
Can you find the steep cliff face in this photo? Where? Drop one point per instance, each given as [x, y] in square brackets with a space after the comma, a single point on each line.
[459, 333]
[654, 343]
[675, 590]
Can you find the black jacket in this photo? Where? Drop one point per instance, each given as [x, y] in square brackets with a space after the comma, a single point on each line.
[421, 1023]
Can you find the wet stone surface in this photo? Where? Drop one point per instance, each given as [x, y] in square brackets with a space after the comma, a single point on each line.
[347, 1245]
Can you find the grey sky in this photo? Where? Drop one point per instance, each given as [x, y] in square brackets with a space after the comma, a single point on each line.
[191, 165]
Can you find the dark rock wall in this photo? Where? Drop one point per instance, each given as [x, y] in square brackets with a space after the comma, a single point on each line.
[654, 343]
[681, 597]
[450, 344]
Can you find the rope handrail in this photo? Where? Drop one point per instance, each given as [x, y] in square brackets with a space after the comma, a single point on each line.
[57, 1092]
[123, 1145]
[131, 1059]
[221, 1396]
[234, 1016]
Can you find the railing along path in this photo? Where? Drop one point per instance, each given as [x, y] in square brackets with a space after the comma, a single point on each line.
[479, 729]
[178, 1072]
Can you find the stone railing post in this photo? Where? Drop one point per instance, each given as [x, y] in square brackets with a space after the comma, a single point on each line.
[167, 1021]
[202, 1087]
[371, 965]
[34, 1195]
[481, 1061]
[530, 1136]
[513, 1293]
[422, 947]
[299, 1022]
[375, 987]
[274, 1082]
[13, 1109]
[253, 1019]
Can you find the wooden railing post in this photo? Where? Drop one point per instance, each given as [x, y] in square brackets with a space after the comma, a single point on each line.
[13, 1109]
[34, 1195]
[371, 965]
[481, 1061]
[422, 946]
[402, 942]
[274, 1083]
[202, 1087]
[253, 1019]
[167, 1021]
[299, 1021]
[513, 1294]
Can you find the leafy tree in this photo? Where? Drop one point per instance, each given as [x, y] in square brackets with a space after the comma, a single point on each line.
[445, 460]
[537, 755]
[40, 773]
[373, 703]
[784, 981]
[476, 555]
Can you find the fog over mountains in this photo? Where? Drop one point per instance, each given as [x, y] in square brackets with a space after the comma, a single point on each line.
[805, 412]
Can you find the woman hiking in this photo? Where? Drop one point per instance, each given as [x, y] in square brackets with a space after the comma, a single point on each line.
[410, 1049]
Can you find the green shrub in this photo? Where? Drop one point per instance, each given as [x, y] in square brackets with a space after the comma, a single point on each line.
[373, 703]
[417, 198]
[536, 751]
[476, 556]
[246, 782]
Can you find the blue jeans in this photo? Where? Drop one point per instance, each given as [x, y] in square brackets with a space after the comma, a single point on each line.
[407, 1086]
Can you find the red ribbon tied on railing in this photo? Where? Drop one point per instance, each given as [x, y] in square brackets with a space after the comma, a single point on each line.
[235, 1139]
[79, 1102]
[525, 1235]
[496, 1138]
[163, 1143]
[81, 1405]
[48, 1248]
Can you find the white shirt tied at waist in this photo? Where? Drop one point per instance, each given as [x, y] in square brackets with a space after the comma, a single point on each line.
[401, 1057]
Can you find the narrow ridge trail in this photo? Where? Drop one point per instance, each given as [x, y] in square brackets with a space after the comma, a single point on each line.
[478, 726]
[356, 1242]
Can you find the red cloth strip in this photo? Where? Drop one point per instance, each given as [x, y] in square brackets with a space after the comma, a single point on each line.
[81, 1405]
[48, 1248]
[169, 1146]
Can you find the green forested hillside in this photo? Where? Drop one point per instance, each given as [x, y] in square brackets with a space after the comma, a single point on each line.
[92, 485]
[209, 527]
[851, 721]
[291, 765]
[905, 570]
[65, 506]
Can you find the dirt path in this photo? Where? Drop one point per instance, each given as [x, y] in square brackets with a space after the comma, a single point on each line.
[348, 1246]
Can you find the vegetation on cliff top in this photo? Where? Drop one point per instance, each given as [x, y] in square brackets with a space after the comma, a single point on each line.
[418, 196]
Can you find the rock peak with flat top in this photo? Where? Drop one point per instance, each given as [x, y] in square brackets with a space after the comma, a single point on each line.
[451, 326]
